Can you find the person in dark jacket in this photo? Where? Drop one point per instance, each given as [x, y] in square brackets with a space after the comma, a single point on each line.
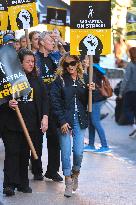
[34, 109]
[47, 69]
[94, 117]
[69, 98]
[128, 89]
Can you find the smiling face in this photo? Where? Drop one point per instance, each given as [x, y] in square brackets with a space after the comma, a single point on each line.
[71, 65]
[28, 63]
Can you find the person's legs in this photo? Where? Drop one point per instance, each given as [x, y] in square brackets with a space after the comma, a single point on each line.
[131, 98]
[24, 162]
[37, 139]
[53, 157]
[78, 146]
[90, 147]
[128, 107]
[16, 162]
[95, 116]
[11, 163]
[65, 145]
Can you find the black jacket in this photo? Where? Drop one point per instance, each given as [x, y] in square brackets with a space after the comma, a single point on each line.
[63, 94]
[8, 117]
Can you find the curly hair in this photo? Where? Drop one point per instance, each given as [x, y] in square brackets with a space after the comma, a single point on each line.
[62, 71]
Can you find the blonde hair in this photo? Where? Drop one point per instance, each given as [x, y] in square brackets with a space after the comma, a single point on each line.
[61, 70]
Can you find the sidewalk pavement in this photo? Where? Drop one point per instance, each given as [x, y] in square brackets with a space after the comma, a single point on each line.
[105, 179]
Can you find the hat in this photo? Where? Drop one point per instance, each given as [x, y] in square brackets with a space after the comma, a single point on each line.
[8, 37]
[99, 68]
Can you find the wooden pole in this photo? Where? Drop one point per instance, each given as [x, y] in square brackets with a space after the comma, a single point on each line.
[28, 138]
[27, 39]
[90, 81]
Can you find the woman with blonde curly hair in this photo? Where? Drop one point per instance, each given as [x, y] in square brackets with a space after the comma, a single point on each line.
[69, 98]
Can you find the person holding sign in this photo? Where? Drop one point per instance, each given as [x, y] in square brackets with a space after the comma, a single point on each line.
[94, 117]
[34, 109]
[69, 98]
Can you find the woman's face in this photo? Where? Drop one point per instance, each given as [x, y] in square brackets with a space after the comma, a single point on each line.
[85, 62]
[35, 39]
[28, 63]
[71, 65]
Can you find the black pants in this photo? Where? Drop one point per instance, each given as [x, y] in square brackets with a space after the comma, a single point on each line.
[130, 105]
[37, 139]
[16, 159]
[53, 149]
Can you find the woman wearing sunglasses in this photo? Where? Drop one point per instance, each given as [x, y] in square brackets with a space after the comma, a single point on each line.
[69, 97]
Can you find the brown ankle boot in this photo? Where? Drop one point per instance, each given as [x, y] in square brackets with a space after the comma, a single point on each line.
[75, 180]
[69, 186]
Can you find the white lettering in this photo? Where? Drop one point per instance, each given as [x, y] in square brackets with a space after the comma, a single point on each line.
[1, 68]
[42, 17]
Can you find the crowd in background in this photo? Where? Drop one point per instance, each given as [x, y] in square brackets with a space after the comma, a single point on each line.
[57, 105]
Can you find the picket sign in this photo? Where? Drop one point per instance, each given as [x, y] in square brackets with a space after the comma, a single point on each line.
[28, 138]
[13, 82]
[90, 81]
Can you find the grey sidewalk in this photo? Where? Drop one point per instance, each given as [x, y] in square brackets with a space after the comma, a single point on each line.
[105, 179]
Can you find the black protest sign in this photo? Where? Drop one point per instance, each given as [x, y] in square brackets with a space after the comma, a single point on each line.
[22, 14]
[90, 27]
[3, 15]
[56, 16]
[131, 24]
[19, 2]
[90, 15]
[3, 5]
[13, 81]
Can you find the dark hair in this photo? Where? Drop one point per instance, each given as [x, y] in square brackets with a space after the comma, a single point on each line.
[83, 49]
[17, 41]
[26, 52]
[132, 52]
[32, 33]
[96, 58]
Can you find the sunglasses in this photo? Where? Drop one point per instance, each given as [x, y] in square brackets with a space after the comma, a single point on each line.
[72, 63]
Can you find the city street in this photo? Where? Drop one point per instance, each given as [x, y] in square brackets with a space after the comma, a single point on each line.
[106, 179]
[46, 47]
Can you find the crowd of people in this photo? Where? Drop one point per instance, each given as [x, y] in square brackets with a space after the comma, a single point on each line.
[57, 105]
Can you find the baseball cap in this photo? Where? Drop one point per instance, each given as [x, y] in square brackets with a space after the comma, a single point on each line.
[8, 37]
[99, 68]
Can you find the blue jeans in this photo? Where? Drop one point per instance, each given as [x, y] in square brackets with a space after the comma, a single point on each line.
[95, 124]
[78, 146]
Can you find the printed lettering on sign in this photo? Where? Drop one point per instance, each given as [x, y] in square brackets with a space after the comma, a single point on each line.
[90, 23]
[2, 68]
[22, 14]
[13, 81]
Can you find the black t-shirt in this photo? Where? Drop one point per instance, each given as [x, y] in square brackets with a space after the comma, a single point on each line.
[28, 110]
[46, 67]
